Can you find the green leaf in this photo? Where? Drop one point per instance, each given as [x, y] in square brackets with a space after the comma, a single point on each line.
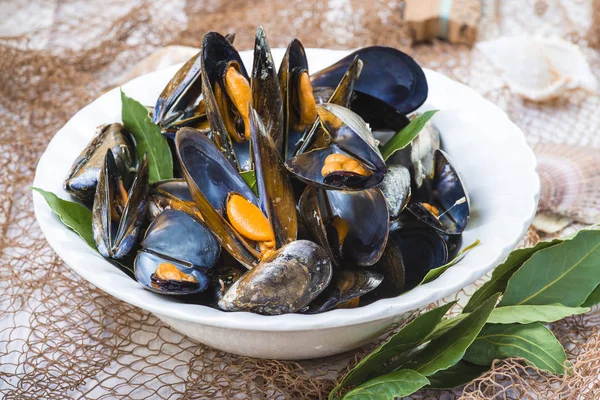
[457, 375]
[403, 138]
[148, 139]
[250, 179]
[565, 273]
[503, 272]
[529, 314]
[75, 216]
[408, 338]
[435, 272]
[446, 350]
[593, 298]
[395, 385]
[533, 342]
[445, 325]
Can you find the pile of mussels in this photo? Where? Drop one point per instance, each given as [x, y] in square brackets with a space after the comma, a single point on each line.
[333, 225]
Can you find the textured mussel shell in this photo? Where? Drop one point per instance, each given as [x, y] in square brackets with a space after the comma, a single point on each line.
[83, 176]
[116, 239]
[217, 53]
[284, 283]
[145, 265]
[448, 194]
[293, 64]
[181, 93]
[170, 194]
[388, 74]
[180, 236]
[349, 135]
[422, 249]
[211, 178]
[396, 189]
[359, 234]
[273, 183]
[177, 105]
[345, 285]
[266, 94]
[181, 239]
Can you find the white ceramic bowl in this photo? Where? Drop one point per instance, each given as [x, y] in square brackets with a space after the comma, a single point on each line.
[485, 146]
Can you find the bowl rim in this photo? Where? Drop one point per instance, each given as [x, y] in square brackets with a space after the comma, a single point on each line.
[382, 309]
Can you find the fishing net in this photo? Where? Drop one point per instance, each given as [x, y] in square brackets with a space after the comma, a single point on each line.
[61, 338]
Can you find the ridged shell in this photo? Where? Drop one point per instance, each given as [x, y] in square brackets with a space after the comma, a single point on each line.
[539, 68]
[570, 181]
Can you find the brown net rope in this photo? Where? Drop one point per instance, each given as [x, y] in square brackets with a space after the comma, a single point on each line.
[62, 338]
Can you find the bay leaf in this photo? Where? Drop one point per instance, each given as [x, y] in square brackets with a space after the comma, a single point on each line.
[406, 339]
[533, 342]
[250, 179]
[530, 314]
[403, 138]
[593, 298]
[148, 139]
[503, 272]
[79, 219]
[457, 375]
[445, 325]
[435, 272]
[75, 216]
[391, 386]
[446, 350]
[565, 273]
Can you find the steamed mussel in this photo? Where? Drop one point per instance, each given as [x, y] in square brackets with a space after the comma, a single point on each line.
[284, 202]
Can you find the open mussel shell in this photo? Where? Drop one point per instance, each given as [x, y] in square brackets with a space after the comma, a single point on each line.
[301, 267]
[83, 176]
[343, 94]
[182, 240]
[273, 183]
[293, 65]
[145, 273]
[422, 250]
[180, 236]
[348, 135]
[180, 103]
[170, 194]
[117, 218]
[266, 95]
[181, 95]
[448, 195]
[217, 55]
[345, 285]
[388, 74]
[353, 226]
[209, 168]
[211, 178]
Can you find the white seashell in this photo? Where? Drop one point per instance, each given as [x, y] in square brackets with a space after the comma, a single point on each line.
[550, 223]
[539, 68]
[570, 181]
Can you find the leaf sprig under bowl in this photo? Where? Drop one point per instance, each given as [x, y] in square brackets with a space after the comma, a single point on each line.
[272, 190]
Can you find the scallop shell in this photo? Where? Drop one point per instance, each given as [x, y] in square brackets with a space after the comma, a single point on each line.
[570, 181]
[539, 68]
